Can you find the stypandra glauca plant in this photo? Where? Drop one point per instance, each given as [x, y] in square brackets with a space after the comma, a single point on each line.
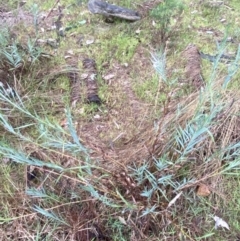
[195, 142]
[16, 55]
[44, 146]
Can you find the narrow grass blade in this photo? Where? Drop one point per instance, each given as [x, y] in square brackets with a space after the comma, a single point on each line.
[51, 215]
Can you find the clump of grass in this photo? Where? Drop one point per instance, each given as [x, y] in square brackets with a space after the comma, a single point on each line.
[17, 57]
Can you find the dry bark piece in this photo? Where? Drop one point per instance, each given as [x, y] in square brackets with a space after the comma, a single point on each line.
[193, 66]
[110, 10]
[92, 88]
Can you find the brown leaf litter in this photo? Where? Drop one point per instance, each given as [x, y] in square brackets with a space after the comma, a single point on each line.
[203, 190]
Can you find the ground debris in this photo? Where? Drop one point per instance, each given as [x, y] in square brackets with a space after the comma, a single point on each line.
[75, 85]
[85, 223]
[109, 10]
[90, 67]
[13, 18]
[87, 80]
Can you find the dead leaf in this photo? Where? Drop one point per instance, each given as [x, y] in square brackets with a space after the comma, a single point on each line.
[108, 77]
[89, 41]
[122, 220]
[220, 223]
[203, 190]
[174, 199]
[97, 117]
[64, 123]
[138, 31]
[70, 52]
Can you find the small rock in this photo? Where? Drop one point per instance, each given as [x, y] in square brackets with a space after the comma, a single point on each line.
[97, 117]
[84, 76]
[70, 51]
[89, 41]
[138, 31]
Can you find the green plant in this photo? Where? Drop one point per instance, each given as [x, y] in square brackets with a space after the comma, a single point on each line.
[182, 140]
[164, 13]
[15, 55]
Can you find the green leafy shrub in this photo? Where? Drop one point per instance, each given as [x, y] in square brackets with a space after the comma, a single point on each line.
[164, 13]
